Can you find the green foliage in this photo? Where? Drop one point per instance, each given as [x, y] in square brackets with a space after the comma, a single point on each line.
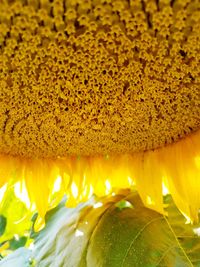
[3, 222]
[109, 232]
[17, 214]
[15, 223]
[187, 234]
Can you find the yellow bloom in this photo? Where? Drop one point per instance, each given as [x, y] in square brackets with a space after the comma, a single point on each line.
[101, 95]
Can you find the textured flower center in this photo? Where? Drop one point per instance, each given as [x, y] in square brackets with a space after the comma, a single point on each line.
[85, 77]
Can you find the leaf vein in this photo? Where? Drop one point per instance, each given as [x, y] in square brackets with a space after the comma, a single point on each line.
[137, 235]
[162, 257]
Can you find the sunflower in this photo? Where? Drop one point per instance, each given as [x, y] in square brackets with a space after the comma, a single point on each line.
[98, 95]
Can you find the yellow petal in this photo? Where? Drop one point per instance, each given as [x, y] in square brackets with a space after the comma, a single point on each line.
[183, 174]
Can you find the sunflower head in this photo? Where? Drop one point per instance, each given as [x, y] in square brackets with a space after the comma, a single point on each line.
[96, 93]
[97, 77]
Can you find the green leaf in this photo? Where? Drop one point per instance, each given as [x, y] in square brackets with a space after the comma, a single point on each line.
[18, 216]
[16, 243]
[138, 237]
[119, 233]
[3, 222]
[114, 231]
[187, 234]
[64, 240]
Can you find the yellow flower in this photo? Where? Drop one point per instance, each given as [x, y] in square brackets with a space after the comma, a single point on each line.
[98, 95]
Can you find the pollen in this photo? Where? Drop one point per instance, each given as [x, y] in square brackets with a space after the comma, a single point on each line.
[85, 77]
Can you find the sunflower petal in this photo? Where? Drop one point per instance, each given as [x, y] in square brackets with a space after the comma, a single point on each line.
[183, 174]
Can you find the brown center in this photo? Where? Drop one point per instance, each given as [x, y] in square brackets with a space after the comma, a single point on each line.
[87, 77]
